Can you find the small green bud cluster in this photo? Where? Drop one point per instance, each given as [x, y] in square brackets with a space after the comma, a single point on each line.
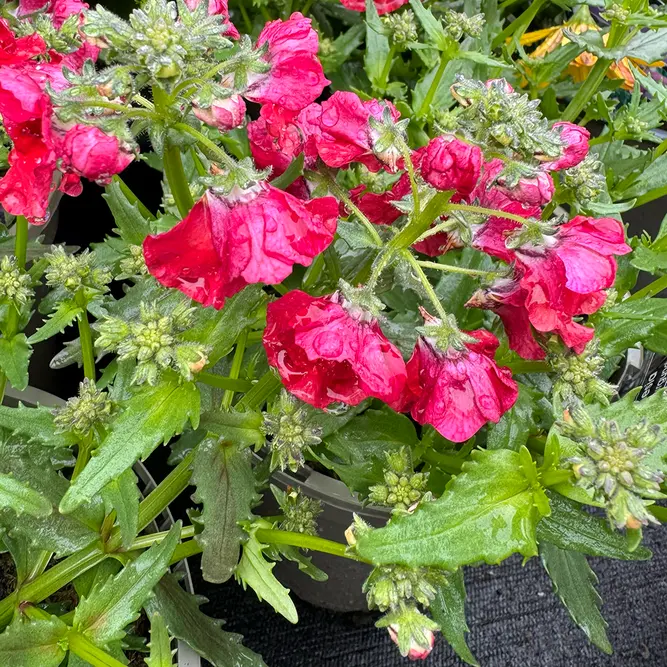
[155, 341]
[64, 39]
[616, 13]
[290, 432]
[75, 272]
[402, 486]
[633, 123]
[459, 25]
[389, 586]
[5, 147]
[444, 334]
[496, 116]
[133, 266]
[327, 48]
[401, 27]
[586, 181]
[82, 414]
[613, 463]
[15, 283]
[160, 36]
[579, 376]
[388, 138]
[300, 512]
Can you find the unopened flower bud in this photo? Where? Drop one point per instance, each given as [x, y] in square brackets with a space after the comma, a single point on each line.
[388, 586]
[388, 138]
[91, 409]
[74, 272]
[402, 486]
[459, 24]
[15, 284]
[300, 512]
[586, 182]
[133, 266]
[411, 631]
[223, 114]
[401, 28]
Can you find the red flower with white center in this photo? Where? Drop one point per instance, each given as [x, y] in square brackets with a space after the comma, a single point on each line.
[296, 77]
[250, 236]
[223, 114]
[93, 154]
[459, 389]
[217, 7]
[575, 149]
[447, 163]
[341, 131]
[382, 6]
[328, 350]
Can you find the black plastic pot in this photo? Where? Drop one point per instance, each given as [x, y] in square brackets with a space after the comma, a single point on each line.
[342, 591]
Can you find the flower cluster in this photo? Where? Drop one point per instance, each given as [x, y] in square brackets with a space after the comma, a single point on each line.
[90, 410]
[15, 284]
[403, 487]
[300, 512]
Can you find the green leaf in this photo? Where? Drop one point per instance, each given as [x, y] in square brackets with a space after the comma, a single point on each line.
[160, 644]
[448, 611]
[630, 322]
[20, 498]
[152, 416]
[377, 46]
[304, 562]
[241, 428]
[256, 572]
[516, 425]
[290, 174]
[359, 447]
[25, 558]
[122, 495]
[343, 47]
[652, 177]
[133, 226]
[103, 615]
[61, 318]
[35, 424]
[14, 359]
[219, 329]
[202, 633]
[574, 583]
[443, 96]
[648, 46]
[355, 235]
[226, 487]
[433, 28]
[482, 59]
[486, 514]
[649, 259]
[34, 643]
[570, 527]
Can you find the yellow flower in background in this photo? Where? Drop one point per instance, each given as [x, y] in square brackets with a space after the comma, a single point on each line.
[580, 67]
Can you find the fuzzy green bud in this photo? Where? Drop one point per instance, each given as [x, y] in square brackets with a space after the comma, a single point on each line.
[91, 409]
[155, 341]
[410, 630]
[134, 265]
[402, 486]
[586, 181]
[300, 512]
[390, 585]
[459, 25]
[15, 283]
[401, 27]
[290, 432]
[613, 463]
[75, 272]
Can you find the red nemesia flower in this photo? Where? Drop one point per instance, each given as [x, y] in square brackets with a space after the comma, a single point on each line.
[60, 10]
[216, 7]
[417, 651]
[296, 77]
[377, 207]
[438, 244]
[93, 154]
[14, 51]
[250, 236]
[575, 149]
[457, 391]
[328, 350]
[224, 114]
[447, 163]
[342, 133]
[382, 6]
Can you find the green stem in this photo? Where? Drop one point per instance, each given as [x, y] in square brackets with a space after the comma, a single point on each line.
[274, 536]
[13, 316]
[491, 212]
[266, 386]
[128, 112]
[87, 651]
[588, 89]
[220, 382]
[185, 550]
[407, 159]
[145, 541]
[234, 371]
[246, 18]
[147, 104]
[450, 268]
[350, 205]
[433, 88]
[446, 462]
[306, 7]
[220, 155]
[86, 338]
[384, 76]
[428, 288]
[83, 456]
[528, 366]
[650, 290]
[175, 174]
[313, 273]
[520, 23]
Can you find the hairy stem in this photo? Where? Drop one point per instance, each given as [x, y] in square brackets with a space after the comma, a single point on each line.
[433, 88]
[86, 338]
[428, 288]
[490, 212]
[275, 536]
[450, 268]
[178, 182]
[227, 383]
[237, 362]
[218, 154]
